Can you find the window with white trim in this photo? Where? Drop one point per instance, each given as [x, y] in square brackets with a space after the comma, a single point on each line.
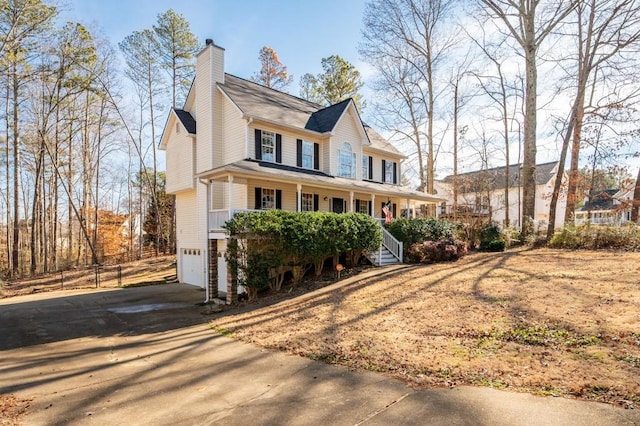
[363, 206]
[307, 202]
[268, 199]
[388, 172]
[346, 161]
[365, 166]
[268, 146]
[307, 155]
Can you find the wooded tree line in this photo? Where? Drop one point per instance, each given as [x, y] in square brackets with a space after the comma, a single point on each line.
[458, 76]
[80, 178]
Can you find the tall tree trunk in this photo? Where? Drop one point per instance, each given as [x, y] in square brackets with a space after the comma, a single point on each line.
[8, 178]
[507, 177]
[455, 151]
[530, 148]
[15, 250]
[574, 175]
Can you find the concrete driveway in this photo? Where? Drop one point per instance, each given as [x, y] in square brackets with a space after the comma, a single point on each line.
[144, 356]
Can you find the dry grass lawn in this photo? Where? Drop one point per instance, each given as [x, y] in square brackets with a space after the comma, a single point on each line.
[551, 322]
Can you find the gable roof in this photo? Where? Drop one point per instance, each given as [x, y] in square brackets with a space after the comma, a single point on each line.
[271, 105]
[324, 120]
[263, 103]
[377, 141]
[187, 120]
[494, 179]
[603, 200]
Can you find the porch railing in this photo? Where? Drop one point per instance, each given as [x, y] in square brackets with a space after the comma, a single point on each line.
[390, 243]
[218, 217]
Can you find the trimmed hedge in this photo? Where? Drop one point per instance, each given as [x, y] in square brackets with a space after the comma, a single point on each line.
[292, 242]
[418, 230]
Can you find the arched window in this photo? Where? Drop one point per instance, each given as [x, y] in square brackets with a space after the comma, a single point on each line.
[346, 161]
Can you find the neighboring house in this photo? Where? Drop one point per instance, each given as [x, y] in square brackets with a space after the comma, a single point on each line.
[608, 207]
[239, 146]
[481, 194]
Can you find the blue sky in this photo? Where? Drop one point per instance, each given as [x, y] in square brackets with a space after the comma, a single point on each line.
[301, 31]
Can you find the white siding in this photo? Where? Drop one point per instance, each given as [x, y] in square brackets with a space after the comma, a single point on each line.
[289, 144]
[234, 133]
[203, 113]
[347, 130]
[179, 159]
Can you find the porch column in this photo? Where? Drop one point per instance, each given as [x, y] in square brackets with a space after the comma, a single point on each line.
[409, 214]
[351, 201]
[230, 197]
[373, 205]
[299, 195]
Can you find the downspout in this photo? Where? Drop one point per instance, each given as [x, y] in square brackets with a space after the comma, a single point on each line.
[207, 295]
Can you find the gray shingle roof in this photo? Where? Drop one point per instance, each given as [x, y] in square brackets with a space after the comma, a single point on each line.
[187, 120]
[325, 119]
[259, 101]
[318, 179]
[379, 142]
[602, 200]
[495, 178]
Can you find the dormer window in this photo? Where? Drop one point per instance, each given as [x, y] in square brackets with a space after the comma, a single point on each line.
[346, 161]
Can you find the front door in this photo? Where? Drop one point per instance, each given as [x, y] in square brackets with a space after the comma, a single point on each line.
[337, 205]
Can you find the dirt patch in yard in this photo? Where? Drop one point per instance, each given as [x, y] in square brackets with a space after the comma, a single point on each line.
[550, 322]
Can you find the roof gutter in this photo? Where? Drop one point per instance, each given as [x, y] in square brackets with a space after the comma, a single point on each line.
[286, 126]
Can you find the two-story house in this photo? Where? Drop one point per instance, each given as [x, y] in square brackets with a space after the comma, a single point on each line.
[238, 146]
[484, 193]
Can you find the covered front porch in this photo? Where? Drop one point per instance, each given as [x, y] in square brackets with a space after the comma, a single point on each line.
[252, 186]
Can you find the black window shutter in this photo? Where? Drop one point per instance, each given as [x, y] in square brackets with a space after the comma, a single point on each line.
[393, 209]
[369, 205]
[395, 172]
[316, 202]
[258, 198]
[357, 206]
[370, 167]
[299, 153]
[382, 207]
[384, 171]
[278, 148]
[258, 155]
[278, 199]
[316, 156]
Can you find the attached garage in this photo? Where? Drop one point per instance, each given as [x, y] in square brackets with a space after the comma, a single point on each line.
[191, 266]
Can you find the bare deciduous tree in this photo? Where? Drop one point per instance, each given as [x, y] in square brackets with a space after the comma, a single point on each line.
[414, 31]
[529, 23]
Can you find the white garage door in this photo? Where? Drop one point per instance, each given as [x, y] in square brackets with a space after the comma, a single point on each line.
[191, 261]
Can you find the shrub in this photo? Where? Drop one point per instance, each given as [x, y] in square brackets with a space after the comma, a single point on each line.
[291, 241]
[436, 251]
[411, 231]
[626, 237]
[496, 245]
